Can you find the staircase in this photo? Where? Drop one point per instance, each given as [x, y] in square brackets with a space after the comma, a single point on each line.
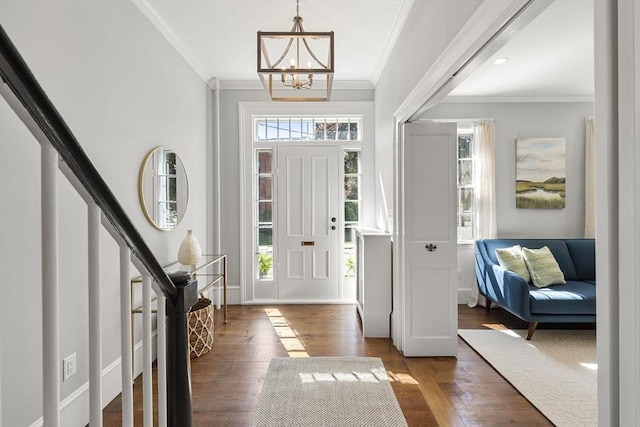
[176, 293]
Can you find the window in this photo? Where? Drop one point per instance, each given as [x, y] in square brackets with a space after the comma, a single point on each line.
[264, 228]
[352, 204]
[466, 202]
[307, 129]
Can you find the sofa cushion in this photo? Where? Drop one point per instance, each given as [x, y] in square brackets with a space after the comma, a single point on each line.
[543, 268]
[558, 249]
[583, 254]
[571, 298]
[511, 259]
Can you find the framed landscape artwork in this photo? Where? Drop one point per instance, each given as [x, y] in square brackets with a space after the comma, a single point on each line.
[540, 173]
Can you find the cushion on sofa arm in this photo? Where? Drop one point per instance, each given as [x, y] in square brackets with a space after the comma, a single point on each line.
[511, 259]
[543, 267]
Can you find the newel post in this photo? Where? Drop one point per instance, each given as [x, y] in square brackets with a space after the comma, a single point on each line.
[179, 398]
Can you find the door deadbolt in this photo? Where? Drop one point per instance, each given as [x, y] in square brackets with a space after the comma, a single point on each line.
[333, 219]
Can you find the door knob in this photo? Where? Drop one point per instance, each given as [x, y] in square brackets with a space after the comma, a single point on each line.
[431, 247]
[333, 227]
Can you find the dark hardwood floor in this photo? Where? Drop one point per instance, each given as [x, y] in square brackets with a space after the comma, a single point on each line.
[435, 391]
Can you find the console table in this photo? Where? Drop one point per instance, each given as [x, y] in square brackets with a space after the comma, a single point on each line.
[201, 269]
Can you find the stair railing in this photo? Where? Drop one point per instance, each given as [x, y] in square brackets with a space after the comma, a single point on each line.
[176, 292]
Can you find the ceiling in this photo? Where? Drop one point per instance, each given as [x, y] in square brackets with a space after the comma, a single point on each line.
[551, 57]
[219, 37]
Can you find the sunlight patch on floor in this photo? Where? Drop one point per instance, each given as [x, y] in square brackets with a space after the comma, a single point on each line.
[401, 378]
[495, 326]
[287, 335]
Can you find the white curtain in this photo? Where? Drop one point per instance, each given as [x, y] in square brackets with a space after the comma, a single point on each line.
[485, 187]
[590, 181]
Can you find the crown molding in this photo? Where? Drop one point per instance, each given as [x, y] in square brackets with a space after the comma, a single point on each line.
[165, 29]
[483, 99]
[394, 34]
[256, 85]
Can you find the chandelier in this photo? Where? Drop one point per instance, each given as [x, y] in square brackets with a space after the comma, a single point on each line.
[300, 72]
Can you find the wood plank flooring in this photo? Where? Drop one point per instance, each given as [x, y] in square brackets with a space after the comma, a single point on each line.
[436, 391]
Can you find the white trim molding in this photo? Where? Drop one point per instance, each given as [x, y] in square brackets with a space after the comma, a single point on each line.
[165, 29]
[396, 29]
[628, 75]
[518, 99]
[256, 85]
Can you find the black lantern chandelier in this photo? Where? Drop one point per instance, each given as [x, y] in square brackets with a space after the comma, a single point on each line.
[299, 73]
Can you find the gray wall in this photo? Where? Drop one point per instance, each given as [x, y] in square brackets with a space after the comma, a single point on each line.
[123, 90]
[530, 119]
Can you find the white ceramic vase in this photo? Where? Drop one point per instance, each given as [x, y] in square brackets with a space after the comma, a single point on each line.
[189, 252]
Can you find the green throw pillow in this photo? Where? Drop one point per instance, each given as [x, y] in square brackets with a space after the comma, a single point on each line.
[511, 259]
[543, 267]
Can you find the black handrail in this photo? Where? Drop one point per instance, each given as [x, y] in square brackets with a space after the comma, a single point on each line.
[17, 75]
[180, 289]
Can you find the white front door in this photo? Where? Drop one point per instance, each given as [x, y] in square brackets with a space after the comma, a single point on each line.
[428, 245]
[308, 223]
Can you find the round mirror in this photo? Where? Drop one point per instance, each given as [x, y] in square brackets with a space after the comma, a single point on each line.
[163, 188]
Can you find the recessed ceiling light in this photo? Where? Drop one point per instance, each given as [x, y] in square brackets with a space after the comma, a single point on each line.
[501, 60]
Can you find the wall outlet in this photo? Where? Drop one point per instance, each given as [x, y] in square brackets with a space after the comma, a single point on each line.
[68, 367]
[459, 273]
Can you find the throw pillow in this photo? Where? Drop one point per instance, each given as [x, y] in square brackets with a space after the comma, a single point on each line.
[543, 267]
[511, 259]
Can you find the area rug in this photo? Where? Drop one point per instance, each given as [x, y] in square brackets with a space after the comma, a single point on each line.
[327, 391]
[556, 370]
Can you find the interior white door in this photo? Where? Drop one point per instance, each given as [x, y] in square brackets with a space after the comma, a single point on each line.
[308, 223]
[429, 242]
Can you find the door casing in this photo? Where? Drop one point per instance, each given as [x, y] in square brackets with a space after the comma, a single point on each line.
[248, 290]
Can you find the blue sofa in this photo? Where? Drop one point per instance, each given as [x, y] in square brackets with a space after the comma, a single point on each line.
[573, 302]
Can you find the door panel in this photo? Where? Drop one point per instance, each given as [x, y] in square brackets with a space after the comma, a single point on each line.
[295, 196]
[429, 246]
[320, 193]
[309, 251]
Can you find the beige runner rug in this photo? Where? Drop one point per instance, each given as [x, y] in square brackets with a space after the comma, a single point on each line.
[556, 370]
[327, 391]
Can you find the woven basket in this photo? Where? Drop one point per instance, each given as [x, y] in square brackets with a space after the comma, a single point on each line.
[200, 327]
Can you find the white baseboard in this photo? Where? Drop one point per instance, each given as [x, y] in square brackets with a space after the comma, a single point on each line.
[74, 409]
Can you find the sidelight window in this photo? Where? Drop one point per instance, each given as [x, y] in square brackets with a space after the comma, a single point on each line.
[264, 205]
[352, 206]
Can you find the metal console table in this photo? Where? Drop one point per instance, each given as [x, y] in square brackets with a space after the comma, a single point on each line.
[213, 279]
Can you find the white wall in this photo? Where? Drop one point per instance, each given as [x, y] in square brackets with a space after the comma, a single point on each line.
[430, 27]
[230, 171]
[123, 90]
